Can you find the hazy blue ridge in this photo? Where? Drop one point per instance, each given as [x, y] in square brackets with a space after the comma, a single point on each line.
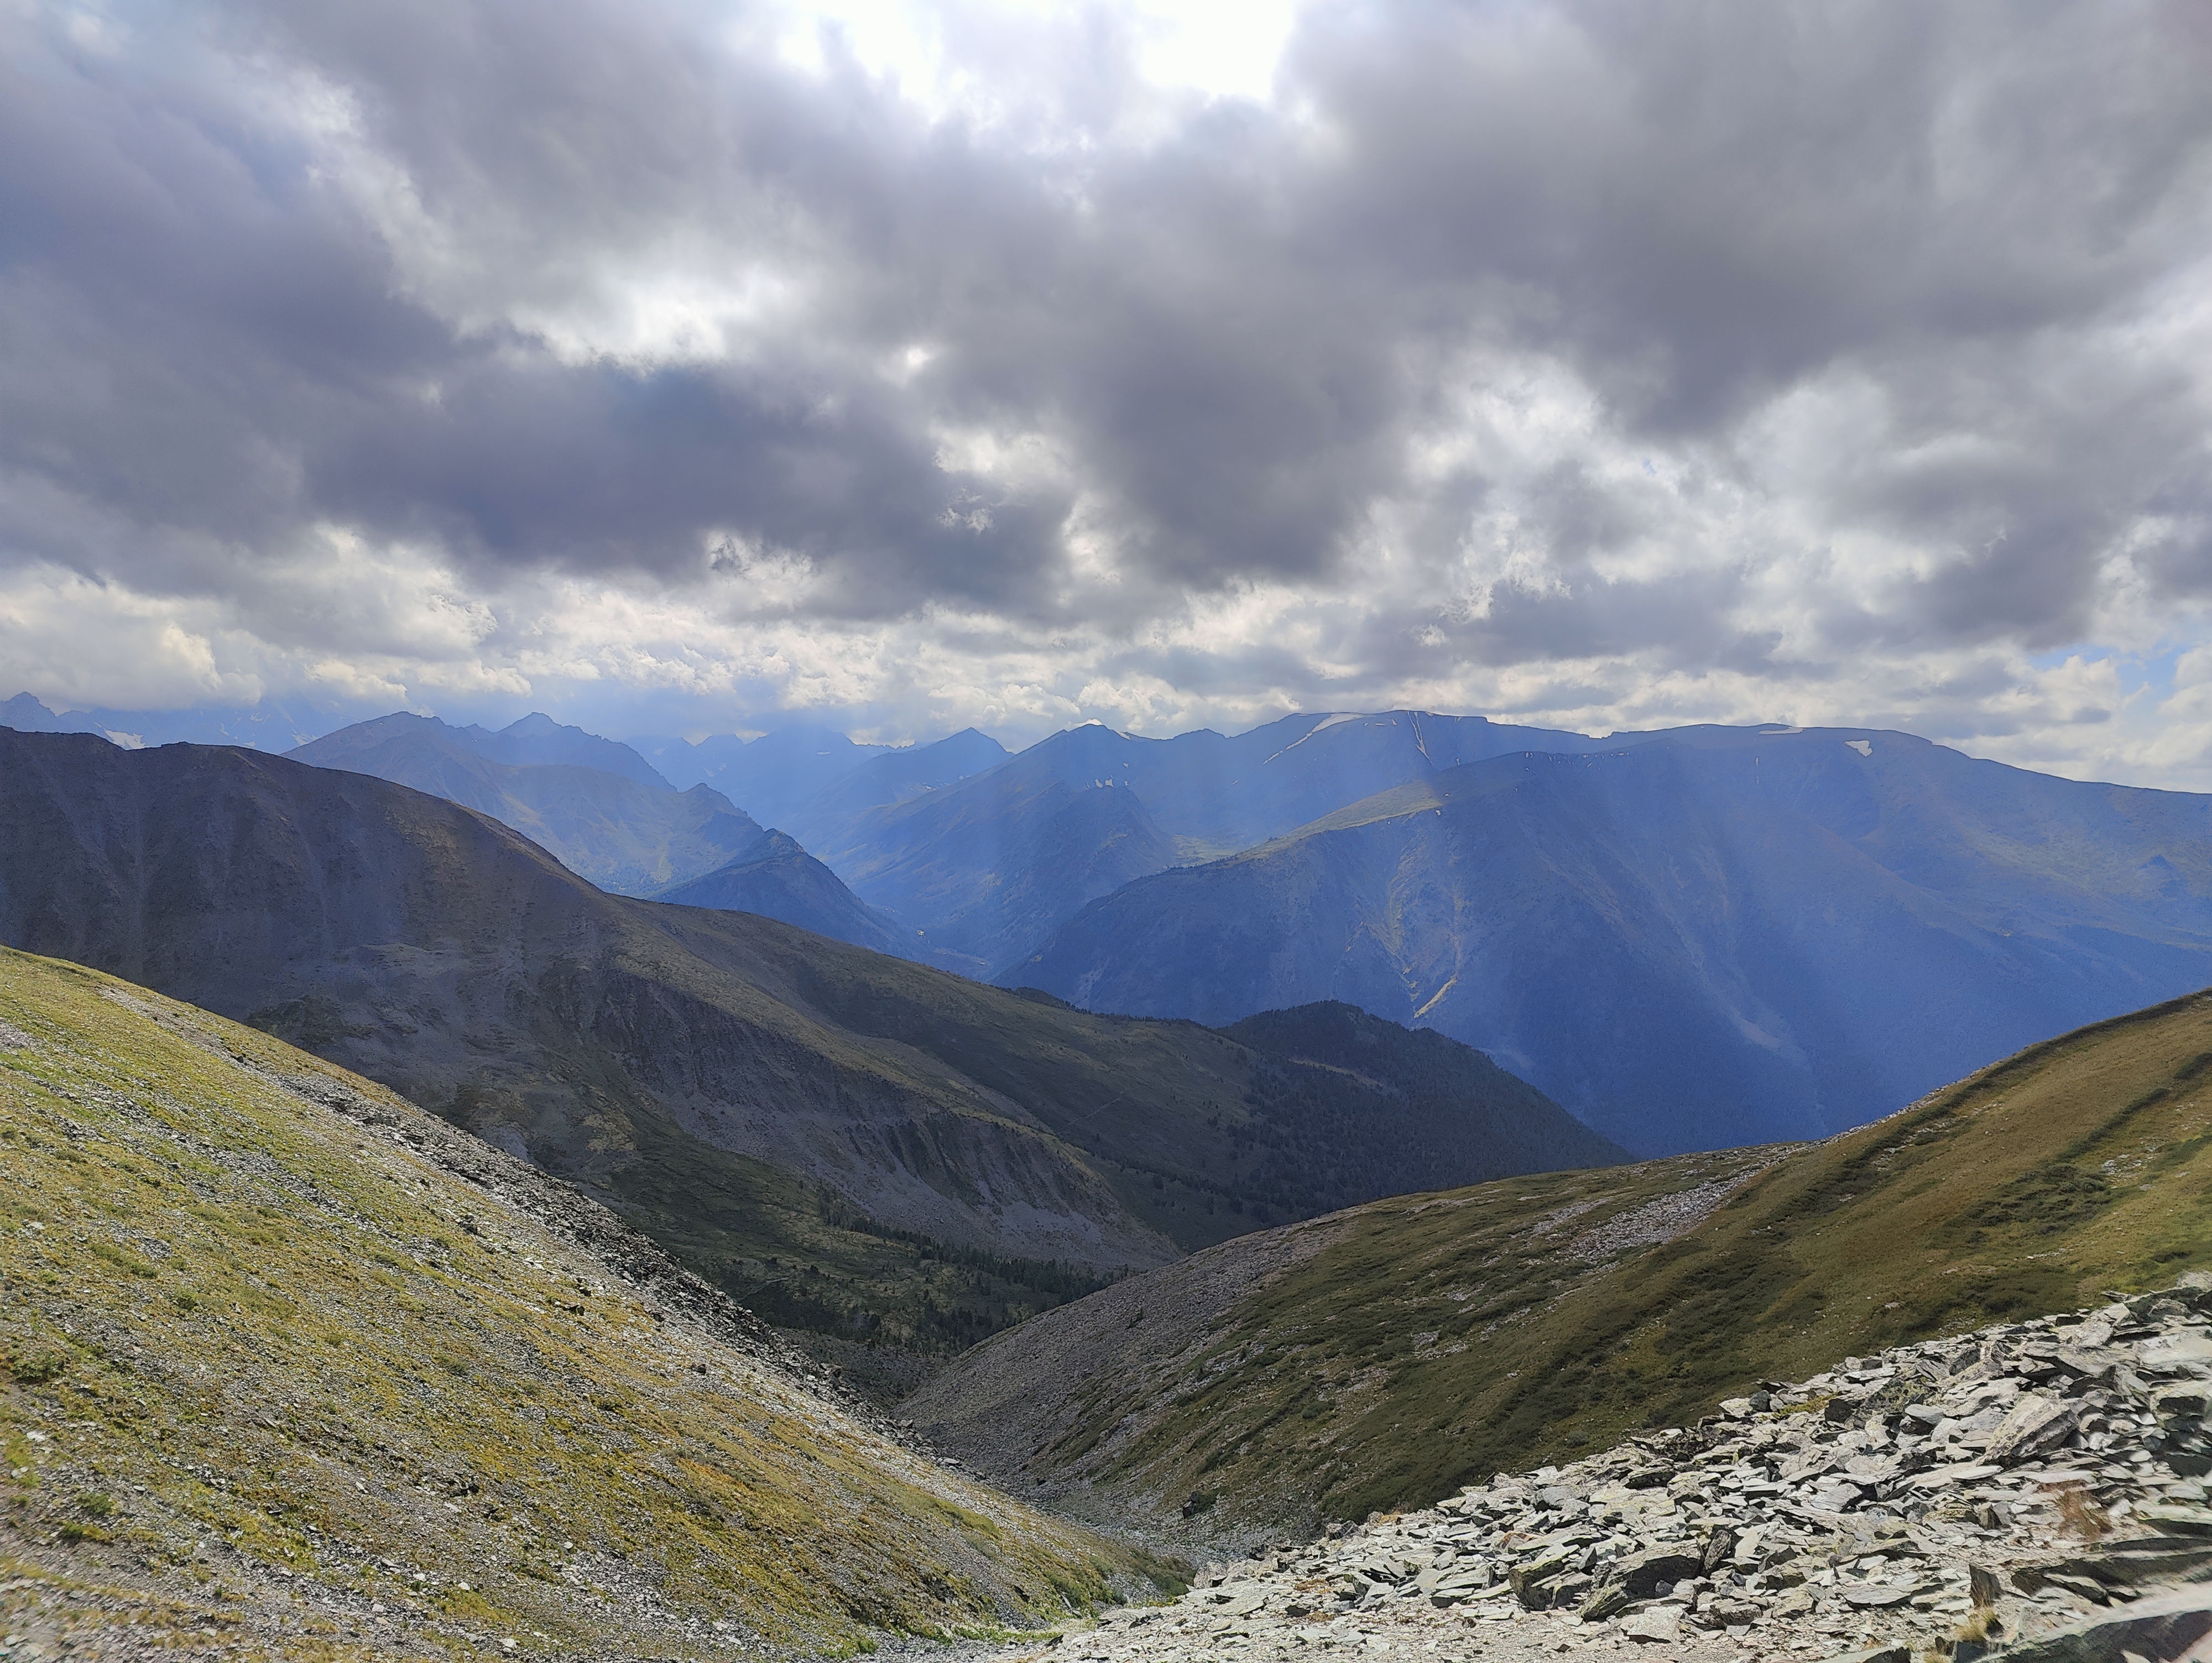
[1712, 936]
[538, 741]
[769, 776]
[269, 725]
[992, 867]
[777, 878]
[622, 832]
[630, 832]
[889, 779]
[992, 863]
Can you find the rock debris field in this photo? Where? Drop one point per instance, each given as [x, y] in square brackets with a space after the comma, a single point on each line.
[2035, 1490]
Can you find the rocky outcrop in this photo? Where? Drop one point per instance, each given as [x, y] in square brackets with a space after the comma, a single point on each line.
[2036, 1489]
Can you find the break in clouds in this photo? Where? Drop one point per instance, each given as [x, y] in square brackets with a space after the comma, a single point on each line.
[667, 365]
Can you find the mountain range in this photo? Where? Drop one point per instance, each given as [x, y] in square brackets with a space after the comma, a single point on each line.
[825, 1128]
[778, 775]
[1692, 937]
[596, 805]
[605, 811]
[986, 866]
[1702, 938]
[1338, 1249]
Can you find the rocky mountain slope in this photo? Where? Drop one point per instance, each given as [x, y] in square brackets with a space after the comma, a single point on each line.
[2035, 1490]
[852, 1144]
[1382, 1357]
[1708, 938]
[293, 1368]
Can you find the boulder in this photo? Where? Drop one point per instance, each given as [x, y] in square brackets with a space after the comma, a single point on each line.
[1659, 1625]
[2159, 1629]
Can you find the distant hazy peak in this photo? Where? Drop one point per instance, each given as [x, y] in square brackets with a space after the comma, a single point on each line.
[536, 741]
[27, 713]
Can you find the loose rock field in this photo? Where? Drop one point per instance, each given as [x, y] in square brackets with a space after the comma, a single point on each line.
[1955, 1497]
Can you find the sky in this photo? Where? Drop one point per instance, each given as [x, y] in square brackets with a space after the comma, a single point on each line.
[678, 368]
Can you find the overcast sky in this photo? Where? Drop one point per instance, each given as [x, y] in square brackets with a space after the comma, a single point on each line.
[668, 366]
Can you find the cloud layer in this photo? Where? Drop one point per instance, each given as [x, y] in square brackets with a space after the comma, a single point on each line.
[668, 365]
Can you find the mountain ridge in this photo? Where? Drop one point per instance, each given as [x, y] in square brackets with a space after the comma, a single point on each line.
[755, 1093]
[621, 827]
[1795, 935]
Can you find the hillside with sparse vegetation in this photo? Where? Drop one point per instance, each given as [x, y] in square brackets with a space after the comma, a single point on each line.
[1388, 1354]
[293, 1366]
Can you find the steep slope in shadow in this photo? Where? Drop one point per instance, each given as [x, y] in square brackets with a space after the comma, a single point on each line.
[1711, 937]
[435, 949]
[1384, 1357]
[779, 879]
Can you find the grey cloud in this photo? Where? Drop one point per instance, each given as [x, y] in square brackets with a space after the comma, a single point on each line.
[1231, 332]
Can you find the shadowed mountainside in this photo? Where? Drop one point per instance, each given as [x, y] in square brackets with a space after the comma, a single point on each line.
[307, 1373]
[778, 879]
[853, 1144]
[1386, 1356]
[1713, 936]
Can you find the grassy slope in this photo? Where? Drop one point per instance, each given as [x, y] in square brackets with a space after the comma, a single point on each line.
[1435, 1339]
[255, 1347]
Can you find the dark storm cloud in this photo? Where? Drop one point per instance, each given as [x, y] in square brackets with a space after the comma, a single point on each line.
[269, 268]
